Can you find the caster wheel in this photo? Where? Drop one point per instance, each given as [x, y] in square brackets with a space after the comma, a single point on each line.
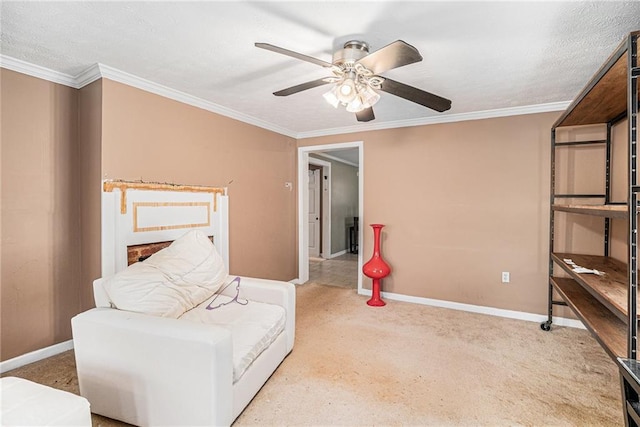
[545, 326]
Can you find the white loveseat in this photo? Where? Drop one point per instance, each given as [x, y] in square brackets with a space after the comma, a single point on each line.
[201, 368]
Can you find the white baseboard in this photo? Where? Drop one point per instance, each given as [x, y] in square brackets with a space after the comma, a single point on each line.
[43, 353]
[295, 281]
[35, 356]
[492, 311]
[337, 254]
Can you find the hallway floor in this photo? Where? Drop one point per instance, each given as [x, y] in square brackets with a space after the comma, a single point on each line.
[341, 271]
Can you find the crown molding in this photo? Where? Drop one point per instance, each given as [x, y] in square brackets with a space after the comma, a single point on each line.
[447, 118]
[164, 91]
[88, 76]
[98, 71]
[33, 70]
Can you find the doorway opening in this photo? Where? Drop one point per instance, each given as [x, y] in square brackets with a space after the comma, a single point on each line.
[337, 236]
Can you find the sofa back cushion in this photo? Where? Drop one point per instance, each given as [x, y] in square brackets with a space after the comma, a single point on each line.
[171, 281]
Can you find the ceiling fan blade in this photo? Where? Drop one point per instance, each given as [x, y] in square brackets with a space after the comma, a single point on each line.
[293, 54]
[416, 95]
[394, 55]
[302, 86]
[365, 115]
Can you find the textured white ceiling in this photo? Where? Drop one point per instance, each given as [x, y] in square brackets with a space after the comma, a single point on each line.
[481, 55]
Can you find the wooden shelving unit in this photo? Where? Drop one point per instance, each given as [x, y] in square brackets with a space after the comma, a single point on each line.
[609, 211]
[610, 331]
[630, 382]
[610, 288]
[607, 302]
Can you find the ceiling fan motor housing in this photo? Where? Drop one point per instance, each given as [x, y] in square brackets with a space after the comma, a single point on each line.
[351, 52]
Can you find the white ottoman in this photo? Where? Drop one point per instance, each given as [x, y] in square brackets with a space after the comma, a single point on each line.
[25, 403]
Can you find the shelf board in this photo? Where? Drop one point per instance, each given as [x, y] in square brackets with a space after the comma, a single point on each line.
[606, 328]
[605, 96]
[610, 289]
[633, 409]
[609, 211]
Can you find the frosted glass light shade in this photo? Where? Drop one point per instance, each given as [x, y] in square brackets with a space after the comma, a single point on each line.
[355, 105]
[369, 96]
[332, 98]
[347, 91]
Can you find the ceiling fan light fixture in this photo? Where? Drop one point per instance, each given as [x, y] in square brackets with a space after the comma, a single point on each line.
[357, 82]
[369, 96]
[346, 91]
[332, 98]
[355, 105]
[347, 88]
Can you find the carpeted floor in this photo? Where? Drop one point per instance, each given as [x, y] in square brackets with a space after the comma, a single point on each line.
[406, 364]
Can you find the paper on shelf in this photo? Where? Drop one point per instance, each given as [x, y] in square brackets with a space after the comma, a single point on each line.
[583, 270]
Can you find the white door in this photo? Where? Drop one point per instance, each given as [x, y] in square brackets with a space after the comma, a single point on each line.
[314, 213]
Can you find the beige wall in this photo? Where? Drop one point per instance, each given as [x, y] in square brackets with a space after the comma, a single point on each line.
[148, 137]
[40, 213]
[581, 169]
[90, 187]
[57, 145]
[461, 202]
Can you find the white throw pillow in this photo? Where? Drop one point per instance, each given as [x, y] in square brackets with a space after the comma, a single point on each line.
[171, 281]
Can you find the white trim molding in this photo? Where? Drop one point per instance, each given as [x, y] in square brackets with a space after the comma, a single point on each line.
[97, 71]
[446, 118]
[325, 197]
[33, 70]
[491, 311]
[337, 254]
[35, 356]
[167, 92]
[303, 205]
[88, 76]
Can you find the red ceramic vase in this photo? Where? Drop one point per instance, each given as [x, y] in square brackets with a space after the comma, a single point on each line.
[376, 268]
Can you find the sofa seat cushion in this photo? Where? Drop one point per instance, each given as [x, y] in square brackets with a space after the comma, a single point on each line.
[254, 326]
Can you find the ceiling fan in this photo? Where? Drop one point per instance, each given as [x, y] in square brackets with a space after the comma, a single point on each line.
[357, 80]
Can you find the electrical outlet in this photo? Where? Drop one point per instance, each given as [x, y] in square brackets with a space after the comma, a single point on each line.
[505, 277]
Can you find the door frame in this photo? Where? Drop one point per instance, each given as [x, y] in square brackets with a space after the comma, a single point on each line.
[325, 217]
[303, 205]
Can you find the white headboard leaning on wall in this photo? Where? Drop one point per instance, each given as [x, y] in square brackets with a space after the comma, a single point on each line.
[136, 213]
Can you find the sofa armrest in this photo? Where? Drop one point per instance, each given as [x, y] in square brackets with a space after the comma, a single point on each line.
[100, 296]
[271, 292]
[130, 362]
